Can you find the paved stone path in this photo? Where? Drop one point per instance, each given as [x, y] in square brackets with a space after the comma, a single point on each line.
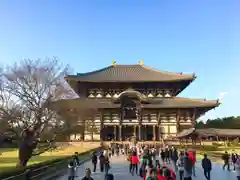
[119, 167]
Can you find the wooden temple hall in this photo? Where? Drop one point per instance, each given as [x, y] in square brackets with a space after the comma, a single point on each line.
[136, 100]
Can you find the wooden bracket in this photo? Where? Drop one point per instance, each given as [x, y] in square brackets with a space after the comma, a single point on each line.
[158, 118]
[177, 119]
[194, 116]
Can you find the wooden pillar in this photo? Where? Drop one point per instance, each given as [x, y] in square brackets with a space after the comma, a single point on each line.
[145, 133]
[139, 132]
[177, 120]
[115, 132]
[154, 131]
[194, 117]
[120, 132]
[140, 123]
[120, 124]
[158, 126]
[169, 130]
[135, 130]
[92, 126]
[83, 130]
[157, 132]
[101, 126]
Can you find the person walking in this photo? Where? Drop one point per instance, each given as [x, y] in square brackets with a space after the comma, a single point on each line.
[162, 154]
[152, 175]
[192, 156]
[225, 159]
[76, 159]
[174, 156]
[129, 160]
[148, 169]
[168, 174]
[101, 162]
[234, 159]
[87, 175]
[160, 174]
[167, 155]
[207, 166]
[134, 163]
[187, 167]
[144, 159]
[157, 162]
[71, 171]
[94, 161]
[181, 165]
[117, 150]
[106, 164]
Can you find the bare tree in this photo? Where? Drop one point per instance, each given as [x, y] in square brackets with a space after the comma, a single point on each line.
[79, 118]
[27, 90]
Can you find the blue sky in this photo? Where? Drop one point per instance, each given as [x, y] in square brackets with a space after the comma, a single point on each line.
[199, 36]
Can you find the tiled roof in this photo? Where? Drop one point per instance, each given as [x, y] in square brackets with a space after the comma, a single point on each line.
[186, 132]
[130, 73]
[181, 102]
[209, 132]
[174, 102]
[219, 132]
[84, 103]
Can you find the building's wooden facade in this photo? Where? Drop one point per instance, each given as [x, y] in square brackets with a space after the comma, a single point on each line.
[135, 100]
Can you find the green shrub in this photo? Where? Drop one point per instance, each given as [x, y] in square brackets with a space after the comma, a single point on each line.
[218, 144]
[234, 143]
[62, 161]
[199, 147]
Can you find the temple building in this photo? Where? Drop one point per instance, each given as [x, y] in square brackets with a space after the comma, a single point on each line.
[136, 100]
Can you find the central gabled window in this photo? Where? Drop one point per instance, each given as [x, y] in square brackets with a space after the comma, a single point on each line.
[129, 109]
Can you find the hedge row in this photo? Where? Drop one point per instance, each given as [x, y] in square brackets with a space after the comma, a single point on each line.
[35, 167]
[198, 147]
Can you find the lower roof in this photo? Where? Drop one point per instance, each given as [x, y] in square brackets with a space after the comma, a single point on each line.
[173, 102]
[209, 132]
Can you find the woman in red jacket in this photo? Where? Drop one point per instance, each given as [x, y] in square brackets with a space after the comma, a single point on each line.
[134, 163]
[192, 156]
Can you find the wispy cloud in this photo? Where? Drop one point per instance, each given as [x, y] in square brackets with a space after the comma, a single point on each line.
[222, 95]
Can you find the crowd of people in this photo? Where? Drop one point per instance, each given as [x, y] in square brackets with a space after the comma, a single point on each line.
[155, 163]
[151, 162]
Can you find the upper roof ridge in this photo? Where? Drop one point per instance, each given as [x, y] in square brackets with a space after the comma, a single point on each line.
[131, 73]
[95, 71]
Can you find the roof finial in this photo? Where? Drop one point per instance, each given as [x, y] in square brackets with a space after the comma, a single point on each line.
[113, 62]
[141, 62]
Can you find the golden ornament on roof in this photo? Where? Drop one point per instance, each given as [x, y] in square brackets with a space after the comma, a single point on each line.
[141, 62]
[113, 62]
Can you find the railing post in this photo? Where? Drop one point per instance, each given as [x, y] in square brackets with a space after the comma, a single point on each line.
[28, 174]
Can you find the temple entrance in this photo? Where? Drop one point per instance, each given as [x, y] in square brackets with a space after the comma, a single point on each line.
[148, 132]
[127, 132]
[108, 133]
[144, 132]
